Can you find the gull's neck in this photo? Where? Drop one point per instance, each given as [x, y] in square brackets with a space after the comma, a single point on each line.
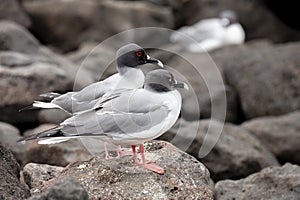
[130, 77]
[123, 69]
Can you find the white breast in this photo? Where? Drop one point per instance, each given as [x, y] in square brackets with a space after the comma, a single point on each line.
[172, 100]
[132, 79]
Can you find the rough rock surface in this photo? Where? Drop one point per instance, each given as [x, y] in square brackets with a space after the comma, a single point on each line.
[280, 134]
[94, 23]
[28, 69]
[64, 189]
[12, 10]
[275, 183]
[8, 137]
[267, 80]
[236, 154]
[59, 154]
[10, 187]
[36, 175]
[184, 176]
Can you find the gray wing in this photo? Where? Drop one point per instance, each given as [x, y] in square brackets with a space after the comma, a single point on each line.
[113, 124]
[84, 99]
[110, 96]
[93, 91]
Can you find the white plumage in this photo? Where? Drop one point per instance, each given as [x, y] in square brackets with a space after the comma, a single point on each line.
[209, 34]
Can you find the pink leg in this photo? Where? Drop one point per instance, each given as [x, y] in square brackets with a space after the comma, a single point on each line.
[136, 160]
[107, 156]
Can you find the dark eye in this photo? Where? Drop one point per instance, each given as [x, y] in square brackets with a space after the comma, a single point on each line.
[139, 53]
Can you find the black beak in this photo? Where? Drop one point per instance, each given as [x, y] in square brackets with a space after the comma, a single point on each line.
[181, 85]
[154, 61]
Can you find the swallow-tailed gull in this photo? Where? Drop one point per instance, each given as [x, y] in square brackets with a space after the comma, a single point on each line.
[210, 34]
[129, 59]
[129, 118]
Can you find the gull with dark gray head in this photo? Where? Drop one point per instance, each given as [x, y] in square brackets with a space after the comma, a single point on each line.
[129, 118]
[210, 34]
[129, 59]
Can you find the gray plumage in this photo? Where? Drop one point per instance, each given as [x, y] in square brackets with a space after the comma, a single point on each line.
[130, 116]
[129, 60]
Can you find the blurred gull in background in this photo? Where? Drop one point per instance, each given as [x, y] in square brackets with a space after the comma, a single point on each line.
[210, 34]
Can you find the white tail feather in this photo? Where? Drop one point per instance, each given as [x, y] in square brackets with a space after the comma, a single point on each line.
[54, 140]
[40, 104]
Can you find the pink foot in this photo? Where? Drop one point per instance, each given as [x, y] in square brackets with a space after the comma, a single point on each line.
[146, 164]
[153, 167]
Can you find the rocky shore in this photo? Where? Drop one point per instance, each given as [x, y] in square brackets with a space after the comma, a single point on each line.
[54, 46]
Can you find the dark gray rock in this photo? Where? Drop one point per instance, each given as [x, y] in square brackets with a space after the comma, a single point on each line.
[92, 20]
[12, 10]
[36, 175]
[14, 37]
[236, 153]
[29, 69]
[97, 59]
[52, 116]
[280, 134]
[266, 79]
[207, 92]
[184, 177]
[277, 183]
[10, 187]
[8, 138]
[60, 154]
[64, 189]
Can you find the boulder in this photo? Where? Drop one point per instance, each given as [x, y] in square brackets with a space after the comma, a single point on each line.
[28, 69]
[60, 154]
[10, 186]
[97, 59]
[267, 80]
[64, 189]
[36, 175]
[52, 116]
[270, 183]
[207, 94]
[12, 10]
[92, 20]
[234, 154]
[184, 176]
[8, 138]
[280, 134]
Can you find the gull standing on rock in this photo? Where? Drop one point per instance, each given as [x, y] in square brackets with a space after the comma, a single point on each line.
[129, 59]
[210, 34]
[129, 118]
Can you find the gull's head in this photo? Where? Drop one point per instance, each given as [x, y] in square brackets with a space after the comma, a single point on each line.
[228, 17]
[132, 55]
[162, 81]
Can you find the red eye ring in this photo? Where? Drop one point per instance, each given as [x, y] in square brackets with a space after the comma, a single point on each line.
[139, 53]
